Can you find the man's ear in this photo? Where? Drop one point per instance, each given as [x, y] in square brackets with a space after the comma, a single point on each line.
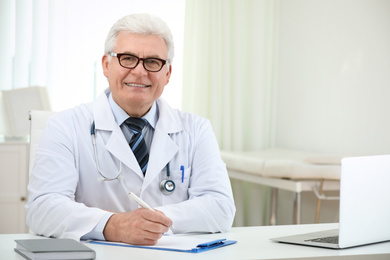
[105, 63]
[168, 75]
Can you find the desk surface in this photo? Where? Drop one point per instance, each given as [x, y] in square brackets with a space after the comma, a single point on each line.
[253, 243]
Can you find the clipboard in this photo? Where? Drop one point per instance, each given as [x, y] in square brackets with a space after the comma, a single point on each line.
[178, 244]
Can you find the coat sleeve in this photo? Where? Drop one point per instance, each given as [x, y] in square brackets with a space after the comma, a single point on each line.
[51, 209]
[210, 207]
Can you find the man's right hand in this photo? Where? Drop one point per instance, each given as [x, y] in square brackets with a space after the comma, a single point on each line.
[138, 227]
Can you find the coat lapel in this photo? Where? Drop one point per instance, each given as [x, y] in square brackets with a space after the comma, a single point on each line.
[163, 148]
[112, 134]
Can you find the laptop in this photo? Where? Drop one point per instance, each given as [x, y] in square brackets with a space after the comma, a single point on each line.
[364, 206]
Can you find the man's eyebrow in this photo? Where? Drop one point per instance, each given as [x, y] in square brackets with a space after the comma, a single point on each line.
[128, 52]
[150, 56]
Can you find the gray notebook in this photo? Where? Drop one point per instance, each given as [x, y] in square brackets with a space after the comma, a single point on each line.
[364, 206]
[53, 249]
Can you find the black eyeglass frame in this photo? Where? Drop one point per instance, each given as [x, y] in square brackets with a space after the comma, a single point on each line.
[118, 55]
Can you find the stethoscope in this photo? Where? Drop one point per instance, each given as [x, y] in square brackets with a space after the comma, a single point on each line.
[167, 186]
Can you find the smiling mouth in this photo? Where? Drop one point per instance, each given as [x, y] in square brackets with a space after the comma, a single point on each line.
[137, 85]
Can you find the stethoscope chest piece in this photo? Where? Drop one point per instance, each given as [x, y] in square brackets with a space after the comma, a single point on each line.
[167, 187]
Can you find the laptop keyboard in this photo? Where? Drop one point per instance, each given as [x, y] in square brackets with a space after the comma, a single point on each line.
[329, 240]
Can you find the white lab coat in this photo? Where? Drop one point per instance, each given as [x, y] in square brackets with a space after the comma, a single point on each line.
[67, 199]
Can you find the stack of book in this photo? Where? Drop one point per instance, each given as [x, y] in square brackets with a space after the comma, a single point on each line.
[34, 249]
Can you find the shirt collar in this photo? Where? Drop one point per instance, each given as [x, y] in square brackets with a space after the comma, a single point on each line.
[121, 115]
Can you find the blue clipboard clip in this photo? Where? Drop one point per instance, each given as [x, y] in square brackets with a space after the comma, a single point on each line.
[212, 245]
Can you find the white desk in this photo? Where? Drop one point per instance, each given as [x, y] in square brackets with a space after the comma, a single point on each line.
[253, 243]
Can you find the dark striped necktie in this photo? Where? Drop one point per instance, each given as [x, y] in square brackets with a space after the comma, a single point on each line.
[137, 142]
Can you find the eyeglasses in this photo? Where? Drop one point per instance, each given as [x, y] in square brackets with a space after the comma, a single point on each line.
[129, 61]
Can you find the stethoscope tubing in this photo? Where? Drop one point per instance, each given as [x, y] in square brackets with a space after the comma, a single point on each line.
[104, 178]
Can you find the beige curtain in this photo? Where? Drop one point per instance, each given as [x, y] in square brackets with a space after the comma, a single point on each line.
[228, 69]
[228, 78]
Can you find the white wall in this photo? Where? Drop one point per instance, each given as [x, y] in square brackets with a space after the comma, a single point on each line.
[333, 76]
[332, 84]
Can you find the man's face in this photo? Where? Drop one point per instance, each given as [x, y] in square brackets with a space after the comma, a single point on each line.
[135, 90]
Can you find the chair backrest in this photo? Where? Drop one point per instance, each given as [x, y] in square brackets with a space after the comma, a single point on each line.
[38, 120]
[18, 102]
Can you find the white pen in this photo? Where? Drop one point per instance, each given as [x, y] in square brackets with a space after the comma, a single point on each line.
[142, 203]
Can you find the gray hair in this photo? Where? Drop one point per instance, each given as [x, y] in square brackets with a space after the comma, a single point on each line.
[141, 24]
